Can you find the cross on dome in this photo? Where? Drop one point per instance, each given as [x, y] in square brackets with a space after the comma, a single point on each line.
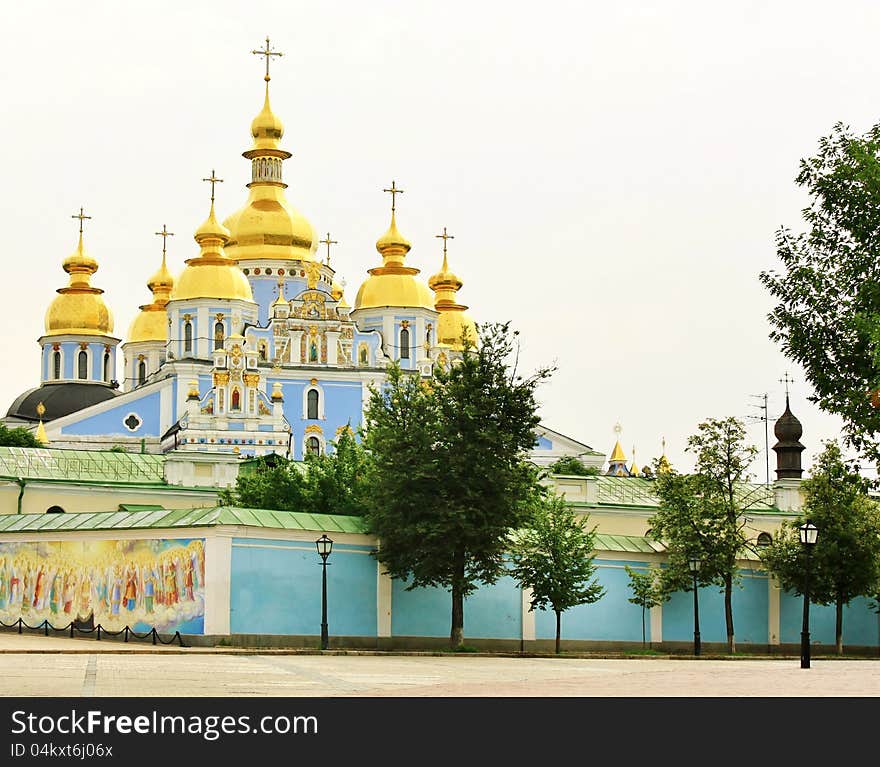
[328, 242]
[81, 216]
[165, 234]
[213, 180]
[268, 53]
[393, 191]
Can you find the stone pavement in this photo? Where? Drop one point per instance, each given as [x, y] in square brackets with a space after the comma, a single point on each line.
[39, 666]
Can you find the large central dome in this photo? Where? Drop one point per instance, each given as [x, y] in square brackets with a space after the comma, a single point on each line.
[268, 226]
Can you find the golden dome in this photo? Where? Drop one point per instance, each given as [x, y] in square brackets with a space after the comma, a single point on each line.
[211, 274]
[454, 321]
[79, 308]
[151, 323]
[393, 284]
[268, 226]
[337, 293]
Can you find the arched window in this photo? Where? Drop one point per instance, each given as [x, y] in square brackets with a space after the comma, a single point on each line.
[236, 399]
[262, 350]
[404, 344]
[107, 367]
[142, 372]
[428, 337]
[82, 364]
[313, 445]
[187, 336]
[364, 355]
[54, 510]
[764, 539]
[218, 335]
[313, 352]
[56, 365]
[312, 404]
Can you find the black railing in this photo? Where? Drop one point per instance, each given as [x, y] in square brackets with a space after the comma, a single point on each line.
[98, 630]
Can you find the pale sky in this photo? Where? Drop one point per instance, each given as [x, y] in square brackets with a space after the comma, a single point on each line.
[613, 173]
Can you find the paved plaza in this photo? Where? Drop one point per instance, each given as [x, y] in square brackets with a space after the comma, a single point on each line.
[39, 666]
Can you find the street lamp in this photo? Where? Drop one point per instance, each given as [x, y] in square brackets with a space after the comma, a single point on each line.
[694, 566]
[325, 546]
[808, 533]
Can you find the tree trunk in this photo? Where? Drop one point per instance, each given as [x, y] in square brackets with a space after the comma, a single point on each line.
[456, 634]
[558, 630]
[728, 613]
[838, 627]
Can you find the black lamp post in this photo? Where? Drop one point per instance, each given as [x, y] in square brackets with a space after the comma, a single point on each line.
[808, 533]
[325, 546]
[694, 566]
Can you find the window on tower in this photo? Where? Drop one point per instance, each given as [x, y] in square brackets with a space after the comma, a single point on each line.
[142, 372]
[188, 336]
[312, 404]
[56, 365]
[218, 335]
[82, 364]
[404, 344]
[107, 367]
[313, 445]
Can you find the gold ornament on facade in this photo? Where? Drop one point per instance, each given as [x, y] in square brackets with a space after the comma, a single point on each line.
[251, 380]
[221, 379]
[313, 428]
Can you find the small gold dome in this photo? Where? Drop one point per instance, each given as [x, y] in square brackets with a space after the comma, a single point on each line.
[211, 274]
[393, 283]
[150, 324]
[79, 308]
[337, 294]
[454, 321]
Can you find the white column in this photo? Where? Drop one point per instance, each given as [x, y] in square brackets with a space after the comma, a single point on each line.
[218, 572]
[655, 617]
[332, 347]
[204, 332]
[773, 598]
[383, 601]
[528, 617]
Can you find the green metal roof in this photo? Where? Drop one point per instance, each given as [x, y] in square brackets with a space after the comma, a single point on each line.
[635, 544]
[211, 516]
[637, 491]
[81, 465]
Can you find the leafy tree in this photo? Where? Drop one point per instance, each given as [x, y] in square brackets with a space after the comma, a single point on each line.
[336, 482]
[828, 314]
[702, 513]
[18, 437]
[571, 465]
[845, 560]
[553, 557]
[647, 591]
[449, 474]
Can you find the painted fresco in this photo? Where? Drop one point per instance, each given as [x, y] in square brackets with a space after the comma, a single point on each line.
[137, 583]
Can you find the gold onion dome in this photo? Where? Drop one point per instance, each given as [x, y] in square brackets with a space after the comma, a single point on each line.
[268, 226]
[212, 274]
[393, 283]
[454, 321]
[79, 308]
[151, 323]
[337, 293]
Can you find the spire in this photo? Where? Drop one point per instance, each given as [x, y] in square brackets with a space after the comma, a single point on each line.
[664, 464]
[453, 323]
[392, 245]
[151, 323]
[634, 470]
[788, 448]
[41, 430]
[266, 128]
[617, 461]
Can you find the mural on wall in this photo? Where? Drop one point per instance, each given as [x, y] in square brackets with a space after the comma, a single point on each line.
[135, 583]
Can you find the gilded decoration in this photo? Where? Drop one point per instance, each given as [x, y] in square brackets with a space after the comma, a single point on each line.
[221, 379]
[313, 428]
[313, 274]
[251, 379]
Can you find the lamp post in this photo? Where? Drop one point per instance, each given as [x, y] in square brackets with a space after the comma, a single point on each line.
[808, 533]
[325, 546]
[694, 566]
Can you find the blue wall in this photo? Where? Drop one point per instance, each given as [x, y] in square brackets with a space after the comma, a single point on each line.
[612, 617]
[146, 407]
[750, 605]
[861, 626]
[276, 589]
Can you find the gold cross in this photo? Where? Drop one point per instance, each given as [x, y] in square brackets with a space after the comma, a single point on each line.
[214, 180]
[80, 216]
[328, 242]
[786, 379]
[165, 234]
[268, 53]
[394, 192]
[445, 237]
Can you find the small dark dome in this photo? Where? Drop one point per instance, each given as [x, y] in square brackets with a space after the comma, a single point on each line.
[788, 429]
[59, 399]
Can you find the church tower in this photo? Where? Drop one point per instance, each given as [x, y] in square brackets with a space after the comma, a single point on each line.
[78, 344]
[453, 321]
[392, 301]
[144, 349]
[788, 448]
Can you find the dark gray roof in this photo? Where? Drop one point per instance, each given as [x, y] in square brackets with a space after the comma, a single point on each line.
[59, 399]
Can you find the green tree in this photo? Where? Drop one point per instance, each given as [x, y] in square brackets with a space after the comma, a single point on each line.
[845, 560]
[271, 482]
[553, 556]
[647, 591]
[571, 465]
[702, 513]
[449, 474]
[336, 481]
[827, 318]
[17, 437]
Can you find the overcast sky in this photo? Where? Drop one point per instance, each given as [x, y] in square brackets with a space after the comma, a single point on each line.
[613, 173]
